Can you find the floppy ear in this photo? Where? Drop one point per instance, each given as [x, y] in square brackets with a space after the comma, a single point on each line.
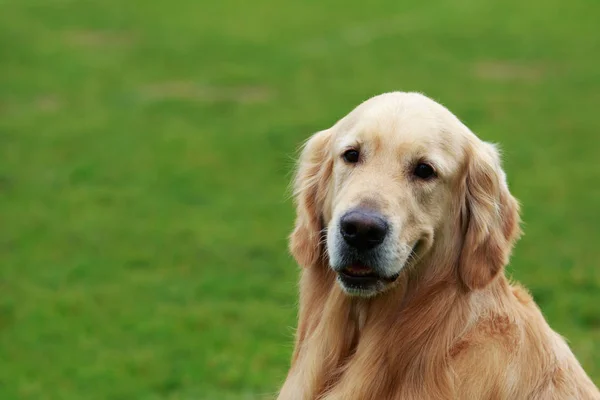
[491, 216]
[310, 189]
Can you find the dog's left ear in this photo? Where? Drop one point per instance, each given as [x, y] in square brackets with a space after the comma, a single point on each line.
[311, 184]
[490, 216]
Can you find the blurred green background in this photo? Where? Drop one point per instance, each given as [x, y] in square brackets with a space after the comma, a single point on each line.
[146, 149]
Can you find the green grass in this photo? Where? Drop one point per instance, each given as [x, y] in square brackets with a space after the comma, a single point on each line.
[146, 149]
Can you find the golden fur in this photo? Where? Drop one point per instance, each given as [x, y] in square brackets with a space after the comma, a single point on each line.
[451, 326]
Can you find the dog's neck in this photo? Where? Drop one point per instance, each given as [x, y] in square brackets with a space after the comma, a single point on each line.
[407, 324]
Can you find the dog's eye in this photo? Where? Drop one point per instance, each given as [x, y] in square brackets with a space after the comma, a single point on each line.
[424, 171]
[351, 156]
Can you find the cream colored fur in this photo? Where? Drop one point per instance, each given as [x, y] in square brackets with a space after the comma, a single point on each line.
[451, 326]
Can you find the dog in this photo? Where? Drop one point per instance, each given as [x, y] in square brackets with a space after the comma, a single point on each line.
[404, 226]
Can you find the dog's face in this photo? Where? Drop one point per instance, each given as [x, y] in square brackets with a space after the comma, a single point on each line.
[388, 183]
[392, 184]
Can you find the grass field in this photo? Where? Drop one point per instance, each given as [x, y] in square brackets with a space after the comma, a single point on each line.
[146, 149]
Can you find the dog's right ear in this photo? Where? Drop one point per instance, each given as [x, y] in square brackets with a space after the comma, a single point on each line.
[311, 184]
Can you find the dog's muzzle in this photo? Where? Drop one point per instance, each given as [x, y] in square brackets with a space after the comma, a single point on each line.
[360, 261]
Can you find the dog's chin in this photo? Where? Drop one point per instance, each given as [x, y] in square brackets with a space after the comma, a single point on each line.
[363, 281]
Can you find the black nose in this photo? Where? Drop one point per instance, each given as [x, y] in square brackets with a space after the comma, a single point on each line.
[363, 229]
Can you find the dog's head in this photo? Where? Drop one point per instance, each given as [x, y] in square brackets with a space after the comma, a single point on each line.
[396, 180]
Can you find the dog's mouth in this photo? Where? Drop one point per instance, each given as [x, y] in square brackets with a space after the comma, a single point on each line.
[357, 271]
[360, 275]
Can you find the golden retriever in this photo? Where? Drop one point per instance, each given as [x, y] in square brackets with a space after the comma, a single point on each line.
[404, 226]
